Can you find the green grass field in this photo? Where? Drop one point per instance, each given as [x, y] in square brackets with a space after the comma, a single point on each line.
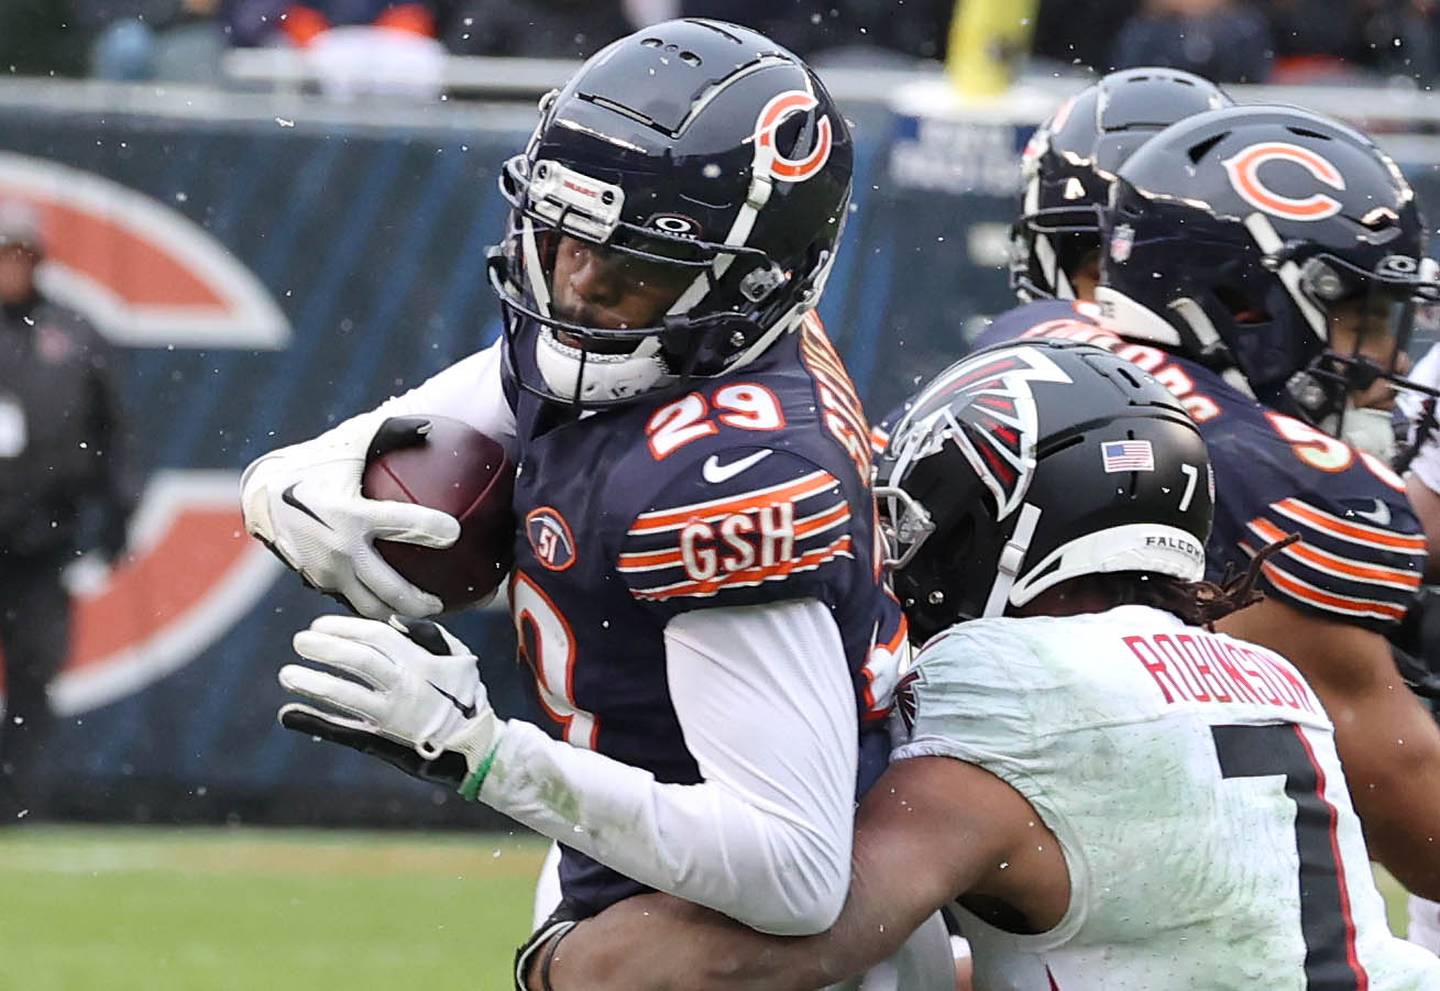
[116, 909]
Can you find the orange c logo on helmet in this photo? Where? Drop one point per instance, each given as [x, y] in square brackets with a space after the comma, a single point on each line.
[780, 107]
[1244, 171]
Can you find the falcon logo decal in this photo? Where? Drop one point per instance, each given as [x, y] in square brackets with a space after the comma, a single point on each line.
[768, 158]
[1244, 171]
[906, 704]
[985, 406]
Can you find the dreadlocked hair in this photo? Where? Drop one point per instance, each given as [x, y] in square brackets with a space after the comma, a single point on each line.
[1199, 603]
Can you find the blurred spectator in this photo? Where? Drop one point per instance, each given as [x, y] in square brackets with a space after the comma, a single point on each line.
[38, 38]
[300, 22]
[1222, 40]
[176, 40]
[578, 28]
[1321, 41]
[1081, 32]
[537, 28]
[1401, 39]
[356, 47]
[61, 461]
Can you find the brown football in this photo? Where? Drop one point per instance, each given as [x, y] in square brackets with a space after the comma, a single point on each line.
[457, 469]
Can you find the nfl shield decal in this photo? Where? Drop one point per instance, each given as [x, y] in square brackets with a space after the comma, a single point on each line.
[1122, 242]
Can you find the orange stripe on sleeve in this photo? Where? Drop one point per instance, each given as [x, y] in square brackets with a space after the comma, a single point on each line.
[659, 520]
[1305, 592]
[1356, 533]
[671, 557]
[1334, 564]
[840, 547]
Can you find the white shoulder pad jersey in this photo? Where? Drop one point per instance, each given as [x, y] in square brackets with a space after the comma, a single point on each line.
[1426, 464]
[1193, 784]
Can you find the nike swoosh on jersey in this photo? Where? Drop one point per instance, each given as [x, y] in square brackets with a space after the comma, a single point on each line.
[289, 498]
[468, 711]
[715, 473]
[1380, 515]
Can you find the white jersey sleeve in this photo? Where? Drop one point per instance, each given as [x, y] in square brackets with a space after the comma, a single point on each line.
[1426, 465]
[1192, 782]
[471, 390]
[768, 711]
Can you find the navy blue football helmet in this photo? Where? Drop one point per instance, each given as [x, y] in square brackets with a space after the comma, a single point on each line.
[1236, 237]
[697, 160]
[1072, 159]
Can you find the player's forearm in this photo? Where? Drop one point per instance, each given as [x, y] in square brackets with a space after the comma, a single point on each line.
[469, 390]
[701, 842]
[1395, 785]
[659, 943]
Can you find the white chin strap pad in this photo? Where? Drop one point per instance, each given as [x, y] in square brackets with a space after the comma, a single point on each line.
[1135, 322]
[1012, 559]
[1146, 547]
[605, 377]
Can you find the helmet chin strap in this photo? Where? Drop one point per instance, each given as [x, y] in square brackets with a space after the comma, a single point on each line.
[1269, 241]
[1012, 558]
[1135, 321]
[1050, 268]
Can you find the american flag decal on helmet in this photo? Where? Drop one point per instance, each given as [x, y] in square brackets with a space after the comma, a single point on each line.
[986, 407]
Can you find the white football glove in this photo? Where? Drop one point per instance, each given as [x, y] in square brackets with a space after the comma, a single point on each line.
[412, 695]
[304, 503]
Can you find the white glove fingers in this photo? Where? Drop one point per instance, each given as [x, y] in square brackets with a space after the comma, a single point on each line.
[355, 658]
[362, 600]
[389, 641]
[411, 524]
[332, 691]
[385, 584]
[333, 718]
[350, 627]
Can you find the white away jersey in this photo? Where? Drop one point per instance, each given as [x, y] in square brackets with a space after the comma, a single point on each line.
[1192, 781]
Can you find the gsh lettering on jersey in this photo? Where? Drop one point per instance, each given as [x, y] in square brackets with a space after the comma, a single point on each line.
[741, 540]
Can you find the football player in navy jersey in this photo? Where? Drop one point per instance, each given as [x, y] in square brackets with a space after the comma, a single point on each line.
[697, 586]
[1265, 263]
[1066, 171]
[1068, 165]
[1087, 775]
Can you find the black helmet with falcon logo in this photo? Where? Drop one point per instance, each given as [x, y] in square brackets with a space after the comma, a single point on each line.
[1031, 463]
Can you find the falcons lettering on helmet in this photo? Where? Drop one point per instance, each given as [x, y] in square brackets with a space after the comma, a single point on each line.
[986, 407]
